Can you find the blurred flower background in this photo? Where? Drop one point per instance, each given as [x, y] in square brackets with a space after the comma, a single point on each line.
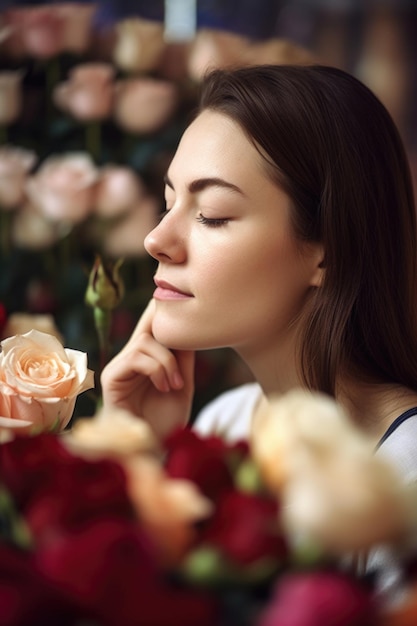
[93, 100]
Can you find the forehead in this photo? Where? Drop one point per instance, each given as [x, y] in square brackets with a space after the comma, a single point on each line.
[215, 145]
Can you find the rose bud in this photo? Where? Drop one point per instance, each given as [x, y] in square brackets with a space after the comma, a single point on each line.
[105, 287]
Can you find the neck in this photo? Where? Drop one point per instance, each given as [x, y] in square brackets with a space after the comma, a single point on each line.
[274, 366]
[373, 406]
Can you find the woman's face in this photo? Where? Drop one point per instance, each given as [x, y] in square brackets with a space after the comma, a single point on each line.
[231, 273]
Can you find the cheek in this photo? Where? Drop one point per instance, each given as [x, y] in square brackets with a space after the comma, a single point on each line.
[268, 279]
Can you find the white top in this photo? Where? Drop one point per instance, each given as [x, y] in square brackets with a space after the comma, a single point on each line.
[230, 416]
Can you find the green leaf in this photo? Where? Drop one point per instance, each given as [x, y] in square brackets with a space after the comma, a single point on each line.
[13, 528]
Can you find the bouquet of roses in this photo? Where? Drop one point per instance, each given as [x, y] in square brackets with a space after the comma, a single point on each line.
[104, 525]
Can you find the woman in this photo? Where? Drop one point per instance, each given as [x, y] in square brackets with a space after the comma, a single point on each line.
[289, 236]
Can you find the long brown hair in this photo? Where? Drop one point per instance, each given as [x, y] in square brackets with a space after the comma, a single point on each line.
[331, 144]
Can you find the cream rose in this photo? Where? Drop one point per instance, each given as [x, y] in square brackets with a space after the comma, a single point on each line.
[139, 45]
[335, 492]
[39, 383]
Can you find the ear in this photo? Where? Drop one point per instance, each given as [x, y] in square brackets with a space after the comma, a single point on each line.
[319, 270]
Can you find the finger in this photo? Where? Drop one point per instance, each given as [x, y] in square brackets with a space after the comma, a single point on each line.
[183, 375]
[148, 358]
[144, 324]
[134, 371]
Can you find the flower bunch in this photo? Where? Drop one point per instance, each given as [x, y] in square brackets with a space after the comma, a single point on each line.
[105, 524]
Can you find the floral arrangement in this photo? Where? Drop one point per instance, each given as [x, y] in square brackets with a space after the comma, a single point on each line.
[103, 524]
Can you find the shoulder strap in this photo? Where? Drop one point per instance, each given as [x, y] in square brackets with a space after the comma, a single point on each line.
[397, 422]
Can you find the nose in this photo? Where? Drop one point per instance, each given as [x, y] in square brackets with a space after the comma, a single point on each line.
[166, 242]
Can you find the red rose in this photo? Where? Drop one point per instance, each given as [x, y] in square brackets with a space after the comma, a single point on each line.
[26, 464]
[25, 594]
[56, 491]
[206, 461]
[3, 318]
[320, 598]
[109, 568]
[245, 528]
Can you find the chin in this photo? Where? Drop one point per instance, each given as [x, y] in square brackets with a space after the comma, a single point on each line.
[170, 337]
[175, 338]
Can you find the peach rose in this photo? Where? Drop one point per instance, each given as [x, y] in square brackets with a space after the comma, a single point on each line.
[63, 187]
[15, 163]
[169, 507]
[39, 383]
[112, 432]
[88, 94]
[139, 45]
[118, 190]
[10, 97]
[144, 105]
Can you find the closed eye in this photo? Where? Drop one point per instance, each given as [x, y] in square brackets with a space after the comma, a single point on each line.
[212, 222]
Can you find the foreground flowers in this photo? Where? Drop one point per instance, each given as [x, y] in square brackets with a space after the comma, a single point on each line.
[105, 524]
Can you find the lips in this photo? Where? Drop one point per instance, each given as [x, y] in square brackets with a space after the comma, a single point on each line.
[167, 291]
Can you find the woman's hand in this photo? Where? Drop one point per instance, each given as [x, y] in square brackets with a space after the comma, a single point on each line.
[149, 380]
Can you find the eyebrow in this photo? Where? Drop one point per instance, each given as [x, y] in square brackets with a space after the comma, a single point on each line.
[199, 184]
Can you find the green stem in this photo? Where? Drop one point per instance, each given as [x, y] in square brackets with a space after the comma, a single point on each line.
[93, 139]
[102, 320]
[5, 227]
[4, 135]
[52, 76]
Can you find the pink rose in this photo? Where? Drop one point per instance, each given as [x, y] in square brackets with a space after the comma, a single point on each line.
[78, 19]
[118, 190]
[33, 231]
[10, 97]
[39, 383]
[215, 48]
[144, 105]
[36, 31]
[125, 239]
[63, 187]
[44, 31]
[88, 94]
[15, 163]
